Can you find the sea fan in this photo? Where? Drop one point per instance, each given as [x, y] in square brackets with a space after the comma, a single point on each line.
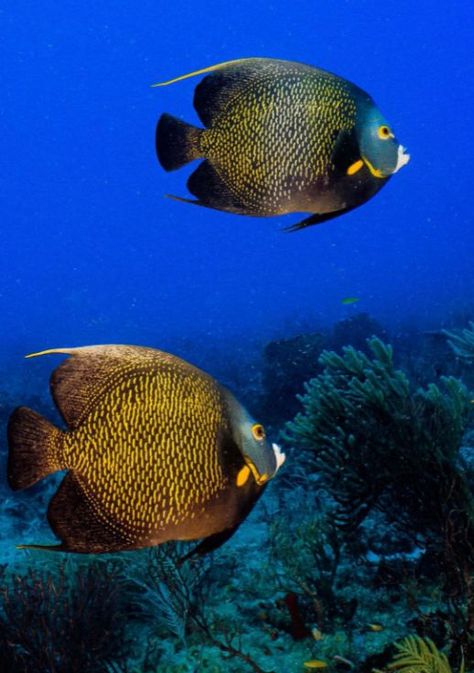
[420, 655]
[462, 342]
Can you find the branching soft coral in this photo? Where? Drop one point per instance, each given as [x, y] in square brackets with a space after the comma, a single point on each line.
[62, 623]
[176, 594]
[378, 444]
[309, 555]
[420, 655]
[462, 342]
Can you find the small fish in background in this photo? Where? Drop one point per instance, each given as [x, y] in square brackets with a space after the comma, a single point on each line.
[317, 633]
[280, 137]
[155, 450]
[375, 627]
[314, 665]
[347, 301]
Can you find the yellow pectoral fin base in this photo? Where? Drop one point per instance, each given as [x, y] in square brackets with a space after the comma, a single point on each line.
[355, 167]
[204, 71]
[243, 476]
[245, 472]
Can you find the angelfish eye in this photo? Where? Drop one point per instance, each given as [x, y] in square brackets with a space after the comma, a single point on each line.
[384, 132]
[258, 431]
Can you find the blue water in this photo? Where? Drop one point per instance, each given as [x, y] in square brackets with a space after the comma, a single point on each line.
[92, 252]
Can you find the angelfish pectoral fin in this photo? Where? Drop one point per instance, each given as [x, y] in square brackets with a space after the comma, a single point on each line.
[355, 167]
[242, 476]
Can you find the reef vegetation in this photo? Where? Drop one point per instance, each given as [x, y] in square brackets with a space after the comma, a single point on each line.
[359, 556]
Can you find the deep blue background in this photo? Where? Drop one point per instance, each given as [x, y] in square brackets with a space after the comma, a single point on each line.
[90, 250]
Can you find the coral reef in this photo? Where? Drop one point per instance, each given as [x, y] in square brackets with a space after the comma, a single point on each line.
[462, 343]
[288, 363]
[418, 655]
[311, 572]
[63, 622]
[379, 445]
[365, 537]
[176, 593]
[355, 330]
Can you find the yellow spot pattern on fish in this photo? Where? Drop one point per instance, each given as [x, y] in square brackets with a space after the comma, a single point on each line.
[141, 461]
[246, 147]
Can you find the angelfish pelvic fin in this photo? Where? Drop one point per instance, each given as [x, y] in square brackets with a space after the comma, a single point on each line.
[317, 218]
[42, 547]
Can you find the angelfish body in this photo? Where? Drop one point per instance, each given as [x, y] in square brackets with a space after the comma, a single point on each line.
[281, 137]
[155, 450]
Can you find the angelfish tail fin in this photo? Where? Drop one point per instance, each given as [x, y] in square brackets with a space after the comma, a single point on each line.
[33, 448]
[177, 143]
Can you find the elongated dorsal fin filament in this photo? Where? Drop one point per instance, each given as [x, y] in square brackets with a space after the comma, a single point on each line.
[204, 71]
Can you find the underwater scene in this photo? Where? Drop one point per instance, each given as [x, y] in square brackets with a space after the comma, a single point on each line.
[236, 375]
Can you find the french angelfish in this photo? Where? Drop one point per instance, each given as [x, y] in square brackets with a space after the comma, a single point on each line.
[155, 450]
[280, 137]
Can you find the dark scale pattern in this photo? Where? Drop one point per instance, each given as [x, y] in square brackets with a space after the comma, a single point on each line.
[274, 138]
[147, 455]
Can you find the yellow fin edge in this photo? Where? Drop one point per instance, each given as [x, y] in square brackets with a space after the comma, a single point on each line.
[203, 71]
[375, 171]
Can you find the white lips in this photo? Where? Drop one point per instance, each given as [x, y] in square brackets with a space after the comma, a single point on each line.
[403, 158]
[280, 457]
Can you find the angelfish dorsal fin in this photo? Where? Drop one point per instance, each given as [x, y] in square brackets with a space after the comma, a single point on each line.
[89, 372]
[208, 69]
[216, 90]
[223, 80]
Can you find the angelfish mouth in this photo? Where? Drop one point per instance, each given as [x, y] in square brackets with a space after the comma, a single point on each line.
[262, 478]
[402, 158]
[280, 457]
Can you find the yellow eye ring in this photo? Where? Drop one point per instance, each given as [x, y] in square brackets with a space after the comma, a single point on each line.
[258, 432]
[384, 132]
